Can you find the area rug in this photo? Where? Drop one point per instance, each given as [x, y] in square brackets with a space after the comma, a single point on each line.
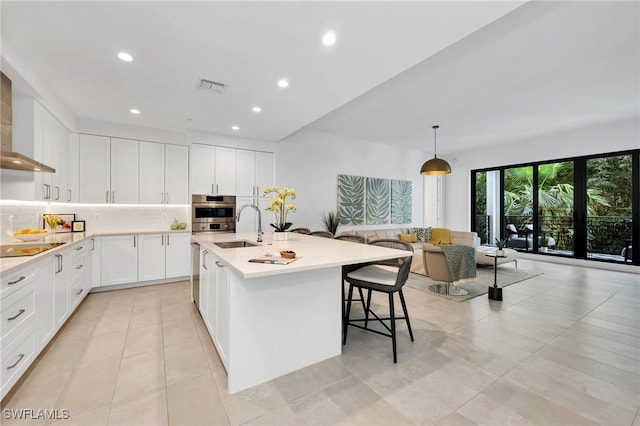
[484, 279]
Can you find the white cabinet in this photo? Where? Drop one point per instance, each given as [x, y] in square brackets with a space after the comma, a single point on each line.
[151, 257]
[255, 171]
[124, 171]
[108, 170]
[28, 322]
[249, 217]
[96, 262]
[178, 255]
[214, 302]
[213, 170]
[164, 256]
[95, 170]
[164, 173]
[61, 287]
[39, 135]
[73, 169]
[118, 259]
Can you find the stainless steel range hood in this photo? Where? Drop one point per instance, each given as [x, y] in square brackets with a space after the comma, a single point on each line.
[8, 158]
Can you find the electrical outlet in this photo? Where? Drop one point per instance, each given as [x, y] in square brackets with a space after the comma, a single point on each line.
[97, 216]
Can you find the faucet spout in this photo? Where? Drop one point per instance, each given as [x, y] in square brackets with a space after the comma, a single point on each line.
[259, 240]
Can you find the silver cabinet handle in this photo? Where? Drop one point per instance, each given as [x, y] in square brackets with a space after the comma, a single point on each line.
[134, 241]
[47, 192]
[16, 363]
[219, 264]
[162, 195]
[166, 197]
[93, 244]
[113, 196]
[22, 277]
[107, 197]
[167, 239]
[57, 193]
[162, 239]
[79, 292]
[79, 248]
[59, 266]
[68, 195]
[79, 266]
[20, 312]
[212, 190]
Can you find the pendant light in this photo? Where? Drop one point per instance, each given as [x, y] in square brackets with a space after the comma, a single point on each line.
[435, 166]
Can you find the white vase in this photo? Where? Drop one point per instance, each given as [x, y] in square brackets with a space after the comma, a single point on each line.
[499, 252]
[281, 236]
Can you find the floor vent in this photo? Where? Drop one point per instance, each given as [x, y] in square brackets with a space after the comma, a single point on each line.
[211, 86]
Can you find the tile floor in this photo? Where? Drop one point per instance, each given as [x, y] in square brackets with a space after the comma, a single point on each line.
[562, 349]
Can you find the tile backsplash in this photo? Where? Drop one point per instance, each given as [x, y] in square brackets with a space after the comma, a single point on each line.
[16, 215]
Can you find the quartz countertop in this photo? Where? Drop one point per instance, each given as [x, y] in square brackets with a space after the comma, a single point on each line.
[9, 264]
[313, 253]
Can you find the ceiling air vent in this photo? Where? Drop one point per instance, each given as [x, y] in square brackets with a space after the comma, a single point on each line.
[211, 86]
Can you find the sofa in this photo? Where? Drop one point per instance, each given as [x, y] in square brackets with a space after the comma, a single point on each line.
[417, 238]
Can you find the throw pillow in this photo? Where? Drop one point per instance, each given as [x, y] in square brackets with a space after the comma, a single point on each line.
[423, 234]
[409, 238]
[440, 236]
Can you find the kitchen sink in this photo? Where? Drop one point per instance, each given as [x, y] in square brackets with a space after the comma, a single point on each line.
[236, 244]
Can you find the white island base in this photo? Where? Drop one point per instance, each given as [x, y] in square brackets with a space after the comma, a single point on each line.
[267, 320]
[281, 323]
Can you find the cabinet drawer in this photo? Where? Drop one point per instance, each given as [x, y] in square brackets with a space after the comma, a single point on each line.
[16, 280]
[77, 291]
[15, 359]
[79, 249]
[16, 312]
[78, 266]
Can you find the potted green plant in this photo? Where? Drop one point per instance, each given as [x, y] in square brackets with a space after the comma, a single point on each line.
[500, 244]
[544, 244]
[331, 221]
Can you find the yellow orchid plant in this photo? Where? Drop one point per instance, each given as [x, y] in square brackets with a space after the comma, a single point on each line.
[279, 206]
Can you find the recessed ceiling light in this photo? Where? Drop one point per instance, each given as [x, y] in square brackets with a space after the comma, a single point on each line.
[16, 162]
[124, 56]
[329, 38]
[235, 128]
[35, 169]
[283, 82]
[256, 109]
[134, 111]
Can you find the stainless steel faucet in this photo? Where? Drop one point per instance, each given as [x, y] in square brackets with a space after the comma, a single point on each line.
[259, 240]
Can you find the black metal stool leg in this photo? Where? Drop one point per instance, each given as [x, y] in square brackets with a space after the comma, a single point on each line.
[367, 309]
[346, 316]
[406, 314]
[392, 317]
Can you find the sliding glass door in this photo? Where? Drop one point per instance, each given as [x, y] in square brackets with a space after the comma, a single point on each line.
[585, 207]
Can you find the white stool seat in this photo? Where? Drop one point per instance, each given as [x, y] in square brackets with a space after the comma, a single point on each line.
[379, 274]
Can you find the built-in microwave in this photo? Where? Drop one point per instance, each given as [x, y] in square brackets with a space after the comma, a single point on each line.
[213, 213]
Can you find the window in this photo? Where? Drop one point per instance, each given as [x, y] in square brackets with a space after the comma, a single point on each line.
[584, 207]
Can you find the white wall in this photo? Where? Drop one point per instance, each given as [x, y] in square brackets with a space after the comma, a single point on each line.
[311, 161]
[612, 137]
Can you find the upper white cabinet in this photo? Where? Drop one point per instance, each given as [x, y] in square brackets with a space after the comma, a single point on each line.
[108, 170]
[219, 170]
[39, 135]
[213, 170]
[73, 170]
[255, 171]
[95, 171]
[124, 171]
[164, 173]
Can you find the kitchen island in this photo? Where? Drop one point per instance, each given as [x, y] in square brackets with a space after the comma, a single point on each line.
[267, 320]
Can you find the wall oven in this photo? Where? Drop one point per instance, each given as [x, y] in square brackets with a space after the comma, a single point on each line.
[213, 213]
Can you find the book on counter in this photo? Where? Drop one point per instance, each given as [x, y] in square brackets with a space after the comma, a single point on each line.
[274, 260]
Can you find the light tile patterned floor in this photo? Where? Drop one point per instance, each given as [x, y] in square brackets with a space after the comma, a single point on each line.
[562, 349]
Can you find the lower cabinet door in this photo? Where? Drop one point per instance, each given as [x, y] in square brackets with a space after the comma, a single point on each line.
[15, 358]
[151, 262]
[178, 255]
[119, 259]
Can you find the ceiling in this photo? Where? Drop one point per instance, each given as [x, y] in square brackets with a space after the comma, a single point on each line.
[486, 72]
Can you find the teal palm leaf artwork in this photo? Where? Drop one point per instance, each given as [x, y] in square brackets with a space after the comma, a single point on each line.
[351, 199]
[401, 205]
[378, 201]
